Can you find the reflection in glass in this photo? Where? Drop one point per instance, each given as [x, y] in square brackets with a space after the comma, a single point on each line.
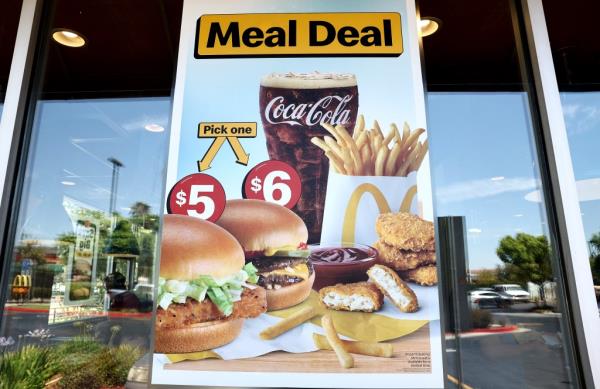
[85, 245]
[581, 111]
[485, 170]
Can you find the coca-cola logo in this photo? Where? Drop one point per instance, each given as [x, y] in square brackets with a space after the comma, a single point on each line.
[329, 109]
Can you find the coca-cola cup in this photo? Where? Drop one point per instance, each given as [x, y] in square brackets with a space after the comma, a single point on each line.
[292, 107]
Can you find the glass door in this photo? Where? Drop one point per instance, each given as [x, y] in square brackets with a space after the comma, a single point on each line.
[80, 258]
[506, 326]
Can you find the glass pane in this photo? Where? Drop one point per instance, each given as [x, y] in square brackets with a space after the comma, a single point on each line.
[485, 169]
[576, 62]
[84, 241]
[9, 22]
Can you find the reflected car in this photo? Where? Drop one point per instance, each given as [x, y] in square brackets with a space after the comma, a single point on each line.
[483, 298]
[513, 292]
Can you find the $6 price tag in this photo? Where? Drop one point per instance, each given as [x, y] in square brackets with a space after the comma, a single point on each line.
[198, 195]
[273, 181]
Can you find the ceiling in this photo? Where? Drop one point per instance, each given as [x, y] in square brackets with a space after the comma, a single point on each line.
[9, 20]
[132, 46]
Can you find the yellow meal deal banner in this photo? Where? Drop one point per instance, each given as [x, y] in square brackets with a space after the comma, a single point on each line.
[298, 244]
[299, 34]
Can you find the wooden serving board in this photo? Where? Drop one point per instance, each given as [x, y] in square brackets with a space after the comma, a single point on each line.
[412, 354]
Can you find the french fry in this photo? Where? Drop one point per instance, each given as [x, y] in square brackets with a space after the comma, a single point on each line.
[362, 140]
[353, 149]
[359, 127]
[382, 155]
[319, 143]
[412, 139]
[366, 161]
[403, 169]
[377, 141]
[288, 323]
[369, 152]
[334, 146]
[373, 349]
[392, 161]
[391, 135]
[405, 132]
[346, 360]
[331, 129]
[338, 164]
[377, 129]
[419, 160]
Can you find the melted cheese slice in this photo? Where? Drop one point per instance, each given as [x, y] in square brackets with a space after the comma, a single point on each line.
[270, 252]
[300, 270]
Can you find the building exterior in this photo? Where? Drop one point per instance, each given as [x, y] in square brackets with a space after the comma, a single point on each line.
[513, 112]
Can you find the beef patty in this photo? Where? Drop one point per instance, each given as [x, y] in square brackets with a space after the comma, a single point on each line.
[266, 265]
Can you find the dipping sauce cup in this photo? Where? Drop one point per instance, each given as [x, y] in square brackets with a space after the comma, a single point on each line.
[341, 263]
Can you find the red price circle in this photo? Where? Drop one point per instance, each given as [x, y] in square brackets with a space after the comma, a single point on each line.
[197, 195]
[273, 181]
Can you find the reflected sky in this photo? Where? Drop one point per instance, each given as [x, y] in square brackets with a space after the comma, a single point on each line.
[483, 165]
[582, 118]
[72, 142]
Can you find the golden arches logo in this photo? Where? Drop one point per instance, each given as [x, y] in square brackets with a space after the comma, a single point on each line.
[349, 226]
[22, 281]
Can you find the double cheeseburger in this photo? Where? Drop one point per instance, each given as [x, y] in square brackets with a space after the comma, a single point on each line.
[274, 240]
[205, 288]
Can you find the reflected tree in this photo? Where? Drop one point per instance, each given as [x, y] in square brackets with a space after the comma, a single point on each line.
[33, 252]
[140, 215]
[526, 258]
[122, 240]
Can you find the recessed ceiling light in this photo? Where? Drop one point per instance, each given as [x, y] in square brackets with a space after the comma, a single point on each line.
[153, 127]
[497, 178]
[67, 183]
[429, 25]
[68, 37]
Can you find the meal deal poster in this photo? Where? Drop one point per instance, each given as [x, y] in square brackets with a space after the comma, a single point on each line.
[298, 248]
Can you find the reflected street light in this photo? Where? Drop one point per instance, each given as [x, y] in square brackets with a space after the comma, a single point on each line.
[116, 164]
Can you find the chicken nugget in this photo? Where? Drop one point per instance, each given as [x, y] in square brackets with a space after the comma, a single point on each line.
[406, 231]
[360, 296]
[401, 295]
[424, 275]
[399, 259]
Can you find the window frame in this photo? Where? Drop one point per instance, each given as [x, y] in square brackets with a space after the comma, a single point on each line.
[568, 225]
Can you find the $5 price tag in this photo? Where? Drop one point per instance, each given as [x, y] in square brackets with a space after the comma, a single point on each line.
[273, 181]
[198, 195]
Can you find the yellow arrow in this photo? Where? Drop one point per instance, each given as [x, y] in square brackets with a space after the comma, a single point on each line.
[238, 149]
[210, 154]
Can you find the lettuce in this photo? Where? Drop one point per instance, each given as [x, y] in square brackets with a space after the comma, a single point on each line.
[223, 292]
[252, 273]
[221, 300]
